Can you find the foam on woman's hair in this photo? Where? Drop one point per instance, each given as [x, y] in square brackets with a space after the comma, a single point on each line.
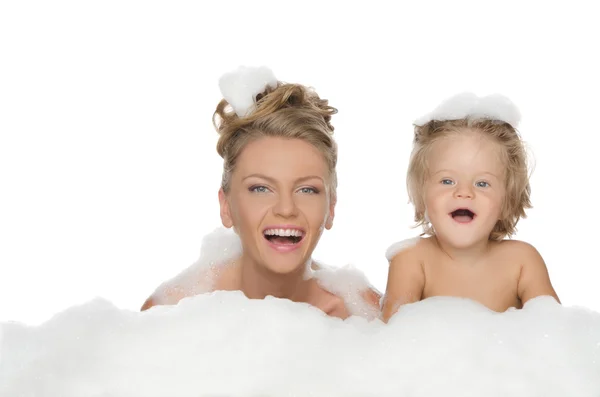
[470, 106]
[241, 86]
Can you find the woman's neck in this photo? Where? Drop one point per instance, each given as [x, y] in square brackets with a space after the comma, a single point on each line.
[256, 282]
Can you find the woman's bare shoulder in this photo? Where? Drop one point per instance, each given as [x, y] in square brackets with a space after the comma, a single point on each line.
[191, 282]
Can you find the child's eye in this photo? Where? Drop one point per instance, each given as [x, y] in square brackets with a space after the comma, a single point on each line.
[308, 190]
[447, 182]
[482, 184]
[258, 189]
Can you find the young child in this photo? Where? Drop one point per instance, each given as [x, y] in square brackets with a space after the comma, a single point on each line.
[468, 181]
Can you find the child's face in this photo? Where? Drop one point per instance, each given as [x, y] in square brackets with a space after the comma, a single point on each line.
[465, 188]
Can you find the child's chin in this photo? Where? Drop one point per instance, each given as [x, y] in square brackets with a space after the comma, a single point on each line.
[462, 242]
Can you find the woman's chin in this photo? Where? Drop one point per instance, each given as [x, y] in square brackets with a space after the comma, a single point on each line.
[287, 257]
[285, 266]
[285, 263]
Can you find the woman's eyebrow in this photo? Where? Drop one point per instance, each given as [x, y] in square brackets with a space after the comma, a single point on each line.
[306, 178]
[261, 176]
[272, 180]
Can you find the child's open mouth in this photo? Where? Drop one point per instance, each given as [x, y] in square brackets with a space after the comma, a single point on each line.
[462, 215]
[283, 236]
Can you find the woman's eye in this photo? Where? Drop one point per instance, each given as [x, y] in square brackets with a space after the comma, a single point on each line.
[308, 190]
[259, 189]
[482, 184]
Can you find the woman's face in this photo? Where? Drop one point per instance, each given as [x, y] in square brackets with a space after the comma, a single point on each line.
[279, 202]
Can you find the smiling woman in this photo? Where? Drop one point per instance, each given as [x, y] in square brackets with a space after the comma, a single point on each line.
[278, 193]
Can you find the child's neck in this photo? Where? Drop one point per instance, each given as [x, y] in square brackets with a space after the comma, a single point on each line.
[470, 255]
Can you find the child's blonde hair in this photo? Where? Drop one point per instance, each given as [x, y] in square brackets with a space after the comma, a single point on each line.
[517, 196]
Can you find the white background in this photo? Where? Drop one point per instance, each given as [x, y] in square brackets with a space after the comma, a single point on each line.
[108, 168]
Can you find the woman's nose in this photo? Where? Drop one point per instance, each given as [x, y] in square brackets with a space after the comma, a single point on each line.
[285, 206]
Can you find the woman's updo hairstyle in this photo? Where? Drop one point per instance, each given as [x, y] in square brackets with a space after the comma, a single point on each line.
[282, 110]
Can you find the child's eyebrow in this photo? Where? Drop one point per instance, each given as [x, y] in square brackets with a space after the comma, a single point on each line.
[491, 174]
[445, 171]
[448, 171]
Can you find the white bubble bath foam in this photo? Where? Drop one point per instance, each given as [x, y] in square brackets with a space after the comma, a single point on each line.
[223, 344]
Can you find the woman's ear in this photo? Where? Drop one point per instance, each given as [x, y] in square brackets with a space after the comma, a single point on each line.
[226, 219]
[329, 220]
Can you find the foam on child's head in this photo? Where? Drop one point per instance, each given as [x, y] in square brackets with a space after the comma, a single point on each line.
[470, 106]
[499, 118]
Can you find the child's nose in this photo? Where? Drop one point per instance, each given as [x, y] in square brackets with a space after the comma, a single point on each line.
[464, 192]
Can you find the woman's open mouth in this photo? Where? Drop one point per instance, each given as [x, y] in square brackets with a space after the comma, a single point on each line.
[283, 236]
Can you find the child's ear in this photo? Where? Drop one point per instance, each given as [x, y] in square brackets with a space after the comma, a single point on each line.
[504, 214]
[421, 213]
[226, 219]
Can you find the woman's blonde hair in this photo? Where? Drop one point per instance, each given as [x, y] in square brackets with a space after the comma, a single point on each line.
[517, 196]
[290, 111]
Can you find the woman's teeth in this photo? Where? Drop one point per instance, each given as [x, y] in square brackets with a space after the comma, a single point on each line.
[283, 232]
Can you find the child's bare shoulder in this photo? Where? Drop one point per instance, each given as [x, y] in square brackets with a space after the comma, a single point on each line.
[411, 249]
[534, 279]
[406, 275]
[526, 257]
[520, 250]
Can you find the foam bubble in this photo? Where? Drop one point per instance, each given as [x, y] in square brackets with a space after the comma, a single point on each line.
[218, 249]
[224, 344]
[400, 246]
[241, 86]
[469, 105]
[350, 284]
[223, 246]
